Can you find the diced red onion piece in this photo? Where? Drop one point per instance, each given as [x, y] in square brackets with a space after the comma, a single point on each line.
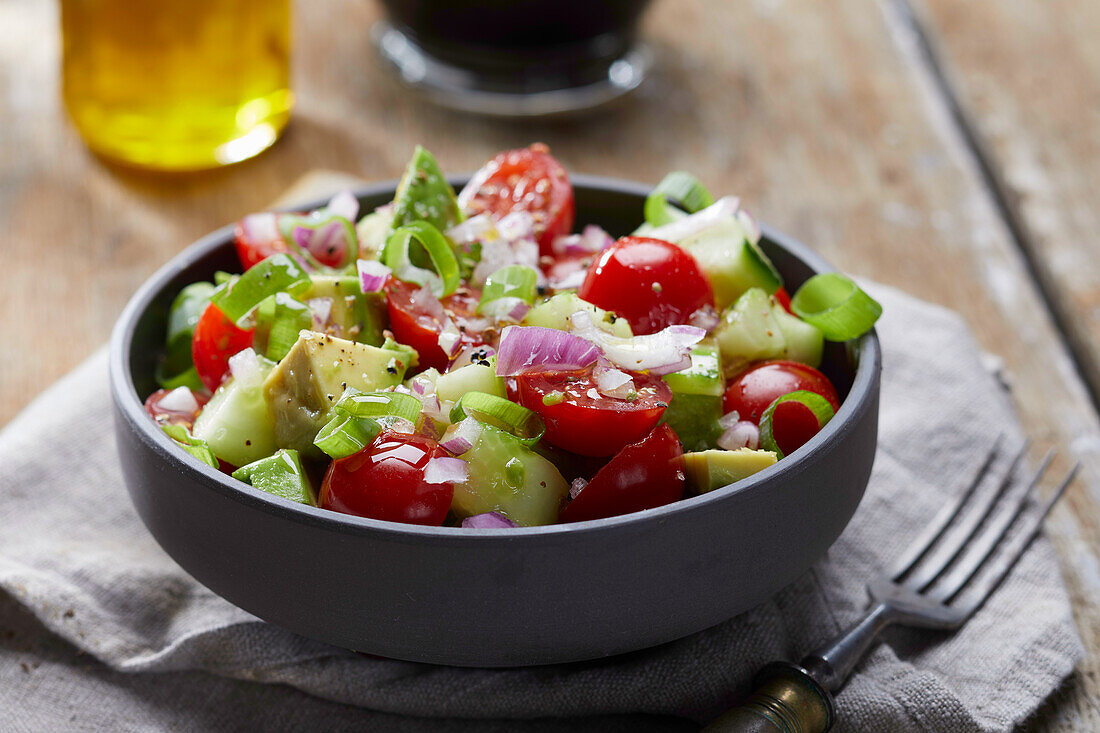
[424, 300]
[446, 471]
[421, 386]
[474, 229]
[592, 239]
[401, 425]
[466, 356]
[705, 318]
[525, 348]
[461, 436]
[489, 520]
[262, 227]
[741, 435]
[516, 225]
[572, 281]
[494, 255]
[450, 338]
[506, 309]
[344, 204]
[322, 311]
[748, 223]
[724, 208]
[245, 365]
[729, 420]
[577, 487]
[427, 428]
[611, 382]
[660, 353]
[325, 239]
[181, 399]
[372, 275]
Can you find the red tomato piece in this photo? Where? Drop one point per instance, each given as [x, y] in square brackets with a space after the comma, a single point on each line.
[216, 338]
[385, 480]
[165, 416]
[581, 420]
[418, 321]
[528, 179]
[257, 239]
[793, 424]
[642, 475]
[753, 390]
[784, 299]
[650, 283]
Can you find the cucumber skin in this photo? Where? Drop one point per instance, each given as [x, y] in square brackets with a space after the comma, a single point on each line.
[530, 491]
[731, 263]
[236, 423]
[757, 327]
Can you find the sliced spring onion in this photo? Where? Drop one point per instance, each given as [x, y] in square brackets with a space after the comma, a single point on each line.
[836, 306]
[198, 448]
[378, 404]
[817, 404]
[169, 378]
[277, 273]
[514, 419]
[320, 234]
[682, 187]
[280, 474]
[280, 318]
[398, 258]
[513, 281]
[345, 435]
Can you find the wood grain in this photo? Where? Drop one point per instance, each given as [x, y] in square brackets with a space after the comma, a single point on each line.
[822, 116]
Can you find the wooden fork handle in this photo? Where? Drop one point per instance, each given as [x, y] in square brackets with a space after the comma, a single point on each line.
[786, 700]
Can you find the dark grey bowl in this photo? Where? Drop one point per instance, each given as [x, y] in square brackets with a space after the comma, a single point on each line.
[493, 597]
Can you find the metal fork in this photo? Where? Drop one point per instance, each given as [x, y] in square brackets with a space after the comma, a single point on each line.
[931, 586]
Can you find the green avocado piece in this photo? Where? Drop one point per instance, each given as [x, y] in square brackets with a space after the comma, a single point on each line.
[425, 195]
[280, 474]
[554, 312]
[509, 478]
[301, 390]
[712, 469]
[355, 315]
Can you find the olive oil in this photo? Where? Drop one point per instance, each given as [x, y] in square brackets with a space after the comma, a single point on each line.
[177, 84]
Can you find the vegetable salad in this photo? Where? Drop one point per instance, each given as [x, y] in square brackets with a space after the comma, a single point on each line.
[468, 359]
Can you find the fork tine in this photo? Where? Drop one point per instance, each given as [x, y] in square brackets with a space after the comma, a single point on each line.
[1007, 560]
[946, 552]
[935, 529]
[975, 554]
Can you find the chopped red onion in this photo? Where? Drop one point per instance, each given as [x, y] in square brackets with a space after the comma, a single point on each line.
[446, 471]
[428, 428]
[517, 225]
[592, 239]
[344, 204]
[506, 309]
[245, 365]
[262, 227]
[729, 420]
[424, 301]
[450, 338]
[461, 436]
[372, 275]
[472, 354]
[401, 425]
[743, 434]
[325, 239]
[705, 318]
[489, 520]
[611, 382]
[181, 399]
[322, 311]
[664, 352]
[474, 229]
[525, 348]
[724, 208]
[572, 281]
[421, 386]
[577, 487]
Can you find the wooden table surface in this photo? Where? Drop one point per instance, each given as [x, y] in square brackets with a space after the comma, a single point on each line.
[950, 149]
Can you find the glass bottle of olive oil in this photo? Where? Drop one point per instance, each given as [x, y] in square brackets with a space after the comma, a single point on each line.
[177, 84]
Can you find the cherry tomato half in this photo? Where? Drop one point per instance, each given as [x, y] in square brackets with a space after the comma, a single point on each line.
[793, 424]
[650, 283]
[528, 179]
[165, 416]
[580, 419]
[216, 338]
[784, 299]
[753, 390]
[385, 480]
[641, 476]
[255, 243]
[418, 322]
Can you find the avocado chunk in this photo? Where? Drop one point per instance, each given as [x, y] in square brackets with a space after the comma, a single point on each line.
[236, 423]
[354, 315]
[509, 478]
[280, 474]
[301, 390]
[712, 469]
[554, 312]
[425, 195]
[758, 327]
[731, 261]
[697, 399]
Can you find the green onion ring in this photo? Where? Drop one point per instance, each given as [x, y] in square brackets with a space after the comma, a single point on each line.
[345, 435]
[836, 306]
[378, 404]
[514, 419]
[278, 273]
[513, 281]
[817, 404]
[396, 256]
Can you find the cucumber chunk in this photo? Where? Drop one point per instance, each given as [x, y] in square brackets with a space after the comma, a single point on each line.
[697, 399]
[508, 478]
[554, 312]
[731, 262]
[236, 423]
[757, 327]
